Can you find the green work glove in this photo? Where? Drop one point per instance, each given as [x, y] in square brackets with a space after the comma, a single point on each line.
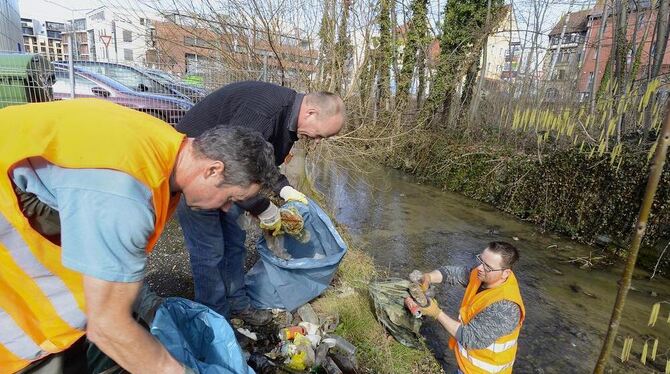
[289, 193]
[271, 220]
[432, 310]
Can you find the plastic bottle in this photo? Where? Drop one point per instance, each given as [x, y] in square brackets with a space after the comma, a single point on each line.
[343, 345]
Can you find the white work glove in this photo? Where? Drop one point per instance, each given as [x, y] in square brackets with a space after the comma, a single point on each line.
[271, 219]
[289, 193]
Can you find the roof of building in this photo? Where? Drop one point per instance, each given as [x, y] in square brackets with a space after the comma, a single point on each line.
[578, 22]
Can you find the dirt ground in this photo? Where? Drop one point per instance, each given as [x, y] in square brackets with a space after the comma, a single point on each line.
[169, 268]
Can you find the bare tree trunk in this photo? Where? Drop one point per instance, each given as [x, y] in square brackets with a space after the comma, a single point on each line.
[421, 71]
[662, 34]
[592, 94]
[484, 67]
[469, 87]
[655, 171]
[620, 52]
[384, 54]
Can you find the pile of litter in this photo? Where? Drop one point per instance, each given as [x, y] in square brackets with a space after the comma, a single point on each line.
[298, 342]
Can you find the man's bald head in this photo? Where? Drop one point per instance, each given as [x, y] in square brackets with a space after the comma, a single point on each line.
[321, 115]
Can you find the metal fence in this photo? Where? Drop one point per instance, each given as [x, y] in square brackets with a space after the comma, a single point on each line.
[156, 90]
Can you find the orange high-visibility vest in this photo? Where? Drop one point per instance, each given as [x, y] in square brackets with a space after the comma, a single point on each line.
[499, 356]
[42, 309]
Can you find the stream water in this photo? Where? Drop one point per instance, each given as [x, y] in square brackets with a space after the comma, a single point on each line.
[404, 225]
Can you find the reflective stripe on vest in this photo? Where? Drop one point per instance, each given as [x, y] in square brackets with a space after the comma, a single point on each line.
[501, 347]
[16, 341]
[483, 364]
[53, 287]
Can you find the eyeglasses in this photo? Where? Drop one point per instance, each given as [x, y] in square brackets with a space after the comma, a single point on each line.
[487, 268]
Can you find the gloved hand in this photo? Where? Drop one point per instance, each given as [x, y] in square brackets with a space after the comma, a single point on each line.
[271, 219]
[289, 193]
[432, 310]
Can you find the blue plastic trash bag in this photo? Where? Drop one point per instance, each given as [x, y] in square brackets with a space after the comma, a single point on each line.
[288, 284]
[198, 337]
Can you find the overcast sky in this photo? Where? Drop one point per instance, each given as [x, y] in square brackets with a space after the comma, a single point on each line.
[56, 10]
[63, 10]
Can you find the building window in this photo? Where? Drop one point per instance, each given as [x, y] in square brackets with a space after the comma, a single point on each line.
[566, 57]
[561, 74]
[127, 36]
[127, 54]
[196, 63]
[98, 16]
[192, 41]
[590, 84]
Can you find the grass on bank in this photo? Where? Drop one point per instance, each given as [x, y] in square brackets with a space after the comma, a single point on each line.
[377, 351]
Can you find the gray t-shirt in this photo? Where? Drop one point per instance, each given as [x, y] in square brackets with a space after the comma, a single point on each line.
[496, 320]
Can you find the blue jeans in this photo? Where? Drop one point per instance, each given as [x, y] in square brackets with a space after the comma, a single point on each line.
[216, 245]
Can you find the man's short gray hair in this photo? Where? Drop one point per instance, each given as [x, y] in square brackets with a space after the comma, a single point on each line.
[246, 156]
[329, 103]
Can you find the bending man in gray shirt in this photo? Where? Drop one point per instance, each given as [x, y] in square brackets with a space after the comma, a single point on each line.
[484, 338]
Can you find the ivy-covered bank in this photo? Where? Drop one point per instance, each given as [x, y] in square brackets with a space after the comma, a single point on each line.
[588, 199]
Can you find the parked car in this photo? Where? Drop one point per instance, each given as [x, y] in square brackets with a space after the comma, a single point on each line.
[194, 93]
[89, 84]
[131, 77]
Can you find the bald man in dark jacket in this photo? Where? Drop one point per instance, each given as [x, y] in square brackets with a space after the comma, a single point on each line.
[213, 238]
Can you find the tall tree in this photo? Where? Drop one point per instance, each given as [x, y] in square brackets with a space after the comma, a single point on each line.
[601, 31]
[621, 45]
[384, 54]
[342, 50]
[327, 36]
[660, 43]
[482, 77]
[468, 90]
[415, 43]
[462, 37]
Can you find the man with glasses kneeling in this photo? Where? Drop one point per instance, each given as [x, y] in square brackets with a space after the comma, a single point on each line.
[484, 338]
